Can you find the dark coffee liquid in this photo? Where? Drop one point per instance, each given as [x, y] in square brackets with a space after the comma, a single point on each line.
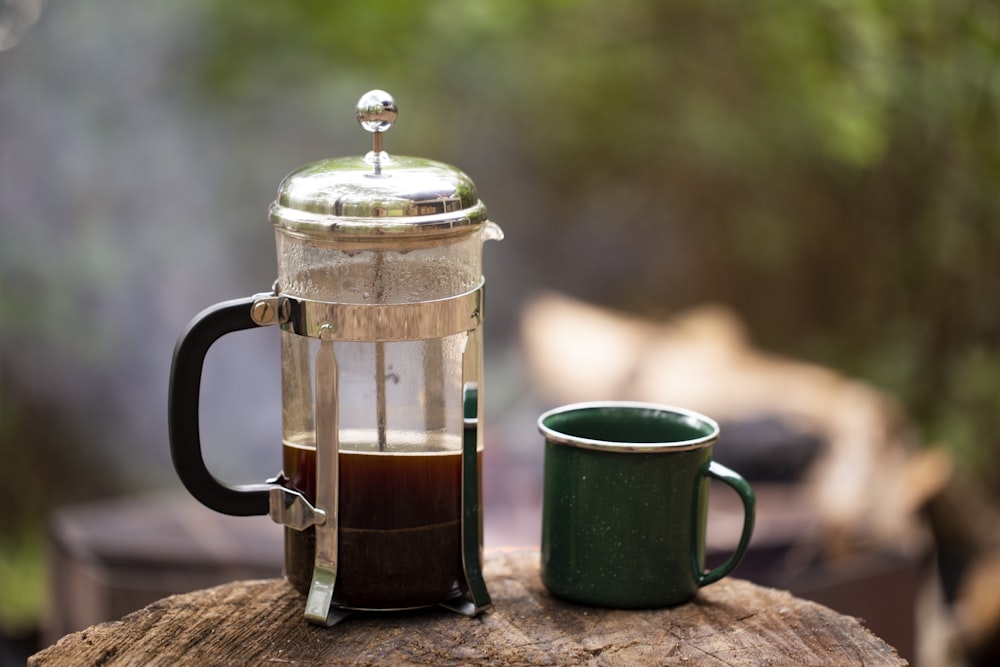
[400, 527]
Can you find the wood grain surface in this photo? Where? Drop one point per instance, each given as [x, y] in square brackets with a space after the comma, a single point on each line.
[732, 622]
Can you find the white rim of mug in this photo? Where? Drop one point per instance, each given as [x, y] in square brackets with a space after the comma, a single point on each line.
[557, 437]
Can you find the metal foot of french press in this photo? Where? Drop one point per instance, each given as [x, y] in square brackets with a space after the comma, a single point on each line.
[289, 507]
[475, 598]
[319, 603]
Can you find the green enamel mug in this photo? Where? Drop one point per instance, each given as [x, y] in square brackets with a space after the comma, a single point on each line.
[625, 504]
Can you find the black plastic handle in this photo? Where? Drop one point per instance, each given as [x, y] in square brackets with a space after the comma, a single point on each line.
[182, 411]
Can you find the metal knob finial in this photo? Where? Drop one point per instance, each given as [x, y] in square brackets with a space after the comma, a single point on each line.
[376, 111]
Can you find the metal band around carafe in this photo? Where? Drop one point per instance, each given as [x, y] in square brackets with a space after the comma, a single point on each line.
[372, 322]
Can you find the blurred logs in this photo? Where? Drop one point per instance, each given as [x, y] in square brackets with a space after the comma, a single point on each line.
[865, 485]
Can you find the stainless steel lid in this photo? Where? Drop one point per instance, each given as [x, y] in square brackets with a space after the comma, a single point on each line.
[377, 195]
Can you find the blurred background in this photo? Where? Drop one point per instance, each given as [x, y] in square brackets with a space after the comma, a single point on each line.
[829, 172]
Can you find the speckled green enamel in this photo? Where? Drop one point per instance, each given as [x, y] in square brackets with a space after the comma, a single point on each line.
[623, 527]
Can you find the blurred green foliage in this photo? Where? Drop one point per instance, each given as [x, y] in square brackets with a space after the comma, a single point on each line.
[830, 168]
[22, 582]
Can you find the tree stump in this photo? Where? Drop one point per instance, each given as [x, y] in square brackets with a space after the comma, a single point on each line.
[731, 622]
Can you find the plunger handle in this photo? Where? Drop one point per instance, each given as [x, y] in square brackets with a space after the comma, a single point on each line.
[376, 111]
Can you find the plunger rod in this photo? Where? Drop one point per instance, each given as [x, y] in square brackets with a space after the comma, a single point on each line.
[380, 393]
[380, 375]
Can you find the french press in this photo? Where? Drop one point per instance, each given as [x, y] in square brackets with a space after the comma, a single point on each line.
[379, 299]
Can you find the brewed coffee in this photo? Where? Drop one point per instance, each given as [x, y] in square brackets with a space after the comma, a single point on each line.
[399, 527]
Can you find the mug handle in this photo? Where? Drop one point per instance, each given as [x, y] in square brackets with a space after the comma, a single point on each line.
[742, 487]
[182, 410]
